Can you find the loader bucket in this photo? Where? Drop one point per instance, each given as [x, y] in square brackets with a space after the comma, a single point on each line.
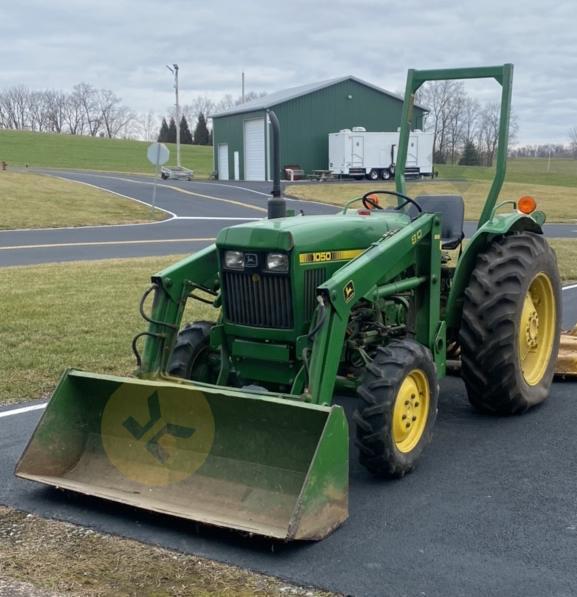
[257, 463]
[566, 365]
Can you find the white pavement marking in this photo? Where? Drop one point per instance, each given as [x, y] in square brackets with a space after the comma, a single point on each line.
[570, 287]
[178, 190]
[225, 218]
[109, 242]
[127, 225]
[170, 213]
[23, 409]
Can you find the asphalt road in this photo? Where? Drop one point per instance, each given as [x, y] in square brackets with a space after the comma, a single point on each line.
[197, 211]
[491, 510]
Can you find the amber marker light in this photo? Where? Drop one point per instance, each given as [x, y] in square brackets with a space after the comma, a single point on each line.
[526, 204]
[374, 199]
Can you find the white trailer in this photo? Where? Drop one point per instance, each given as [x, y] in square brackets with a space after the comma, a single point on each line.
[355, 152]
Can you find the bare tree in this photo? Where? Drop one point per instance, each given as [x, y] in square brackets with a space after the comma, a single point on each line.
[87, 98]
[251, 95]
[38, 111]
[440, 98]
[148, 126]
[15, 104]
[56, 110]
[114, 117]
[470, 115]
[199, 104]
[73, 115]
[573, 140]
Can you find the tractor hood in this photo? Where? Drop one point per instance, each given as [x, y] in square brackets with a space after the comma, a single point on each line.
[312, 232]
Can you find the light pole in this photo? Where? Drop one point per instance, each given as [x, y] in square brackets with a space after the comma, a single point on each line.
[174, 70]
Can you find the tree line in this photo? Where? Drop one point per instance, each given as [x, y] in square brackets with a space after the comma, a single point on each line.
[197, 111]
[86, 110]
[201, 135]
[83, 111]
[465, 131]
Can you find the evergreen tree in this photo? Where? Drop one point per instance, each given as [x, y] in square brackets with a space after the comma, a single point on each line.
[163, 135]
[171, 136]
[470, 156]
[185, 134]
[201, 136]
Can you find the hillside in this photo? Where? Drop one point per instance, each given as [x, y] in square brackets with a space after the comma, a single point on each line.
[19, 148]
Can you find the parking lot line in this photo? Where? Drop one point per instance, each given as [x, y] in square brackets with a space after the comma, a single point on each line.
[22, 409]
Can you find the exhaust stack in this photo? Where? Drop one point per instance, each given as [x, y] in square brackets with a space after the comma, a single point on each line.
[276, 204]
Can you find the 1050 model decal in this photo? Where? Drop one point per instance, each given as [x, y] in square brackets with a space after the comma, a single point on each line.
[326, 256]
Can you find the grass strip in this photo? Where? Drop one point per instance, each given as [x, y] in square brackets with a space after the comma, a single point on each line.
[69, 559]
[36, 201]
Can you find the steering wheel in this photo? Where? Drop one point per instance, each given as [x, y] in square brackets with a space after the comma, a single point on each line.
[370, 203]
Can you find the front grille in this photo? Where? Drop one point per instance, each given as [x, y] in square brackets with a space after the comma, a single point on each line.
[258, 299]
[313, 277]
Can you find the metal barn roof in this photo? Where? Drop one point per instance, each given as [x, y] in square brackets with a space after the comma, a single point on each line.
[279, 97]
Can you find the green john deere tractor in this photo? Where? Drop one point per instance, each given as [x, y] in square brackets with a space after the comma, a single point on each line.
[232, 422]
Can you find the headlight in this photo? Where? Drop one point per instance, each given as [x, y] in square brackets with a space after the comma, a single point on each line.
[234, 260]
[277, 262]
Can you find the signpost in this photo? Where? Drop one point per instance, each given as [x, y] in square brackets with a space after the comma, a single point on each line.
[157, 154]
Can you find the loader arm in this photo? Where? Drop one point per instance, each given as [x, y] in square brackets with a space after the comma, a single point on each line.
[173, 286]
[415, 78]
[369, 276]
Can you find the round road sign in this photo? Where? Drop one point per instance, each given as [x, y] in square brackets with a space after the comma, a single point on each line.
[157, 154]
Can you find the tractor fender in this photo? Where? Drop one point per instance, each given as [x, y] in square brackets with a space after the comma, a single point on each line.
[499, 225]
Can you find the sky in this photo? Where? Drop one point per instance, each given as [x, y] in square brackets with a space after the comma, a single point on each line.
[124, 45]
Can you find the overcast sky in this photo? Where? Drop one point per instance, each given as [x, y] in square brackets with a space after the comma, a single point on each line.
[123, 45]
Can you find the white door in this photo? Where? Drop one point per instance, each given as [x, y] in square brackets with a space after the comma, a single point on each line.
[413, 152]
[223, 161]
[236, 165]
[254, 162]
[357, 151]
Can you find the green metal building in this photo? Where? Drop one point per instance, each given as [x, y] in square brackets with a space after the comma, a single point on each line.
[307, 115]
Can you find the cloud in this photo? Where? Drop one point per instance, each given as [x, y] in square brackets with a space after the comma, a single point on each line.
[124, 46]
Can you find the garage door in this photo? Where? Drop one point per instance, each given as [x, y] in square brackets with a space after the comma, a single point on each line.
[223, 161]
[254, 168]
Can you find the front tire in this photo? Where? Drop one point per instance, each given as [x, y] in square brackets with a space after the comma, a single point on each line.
[400, 394]
[190, 358]
[373, 174]
[510, 326]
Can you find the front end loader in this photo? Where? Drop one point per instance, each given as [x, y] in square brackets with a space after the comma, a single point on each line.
[233, 422]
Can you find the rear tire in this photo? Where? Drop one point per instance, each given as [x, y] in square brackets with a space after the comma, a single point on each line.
[400, 394]
[510, 326]
[373, 174]
[386, 174]
[190, 358]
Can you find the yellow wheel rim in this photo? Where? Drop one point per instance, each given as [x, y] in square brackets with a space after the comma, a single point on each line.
[411, 410]
[537, 329]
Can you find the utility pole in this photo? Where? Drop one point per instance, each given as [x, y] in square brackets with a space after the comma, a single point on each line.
[174, 71]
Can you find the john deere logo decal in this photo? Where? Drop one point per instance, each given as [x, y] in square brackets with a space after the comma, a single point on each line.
[349, 292]
[157, 437]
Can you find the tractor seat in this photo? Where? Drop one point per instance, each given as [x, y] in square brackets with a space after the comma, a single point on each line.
[451, 209]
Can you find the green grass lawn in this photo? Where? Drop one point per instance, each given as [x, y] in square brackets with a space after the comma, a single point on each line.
[35, 201]
[19, 148]
[530, 171]
[85, 315]
[81, 315]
